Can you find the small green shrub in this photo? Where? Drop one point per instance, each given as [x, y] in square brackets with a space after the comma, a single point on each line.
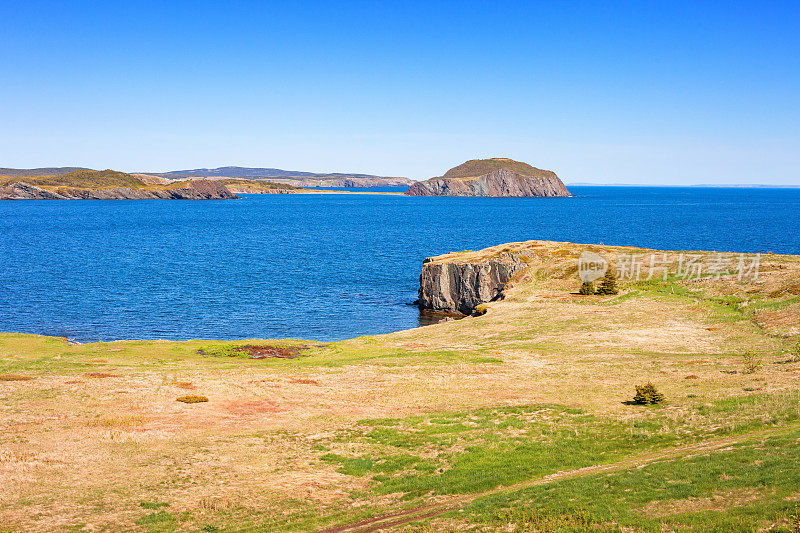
[794, 354]
[480, 310]
[647, 395]
[153, 505]
[752, 363]
[587, 288]
[609, 283]
[192, 398]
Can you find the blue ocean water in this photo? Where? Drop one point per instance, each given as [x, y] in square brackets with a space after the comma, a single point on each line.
[320, 266]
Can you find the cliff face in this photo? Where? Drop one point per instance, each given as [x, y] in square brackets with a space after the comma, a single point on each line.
[458, 287]
[492, 177]
[498, 183]
[193, 190]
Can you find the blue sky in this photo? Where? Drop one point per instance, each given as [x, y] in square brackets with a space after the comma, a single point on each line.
[633, 92]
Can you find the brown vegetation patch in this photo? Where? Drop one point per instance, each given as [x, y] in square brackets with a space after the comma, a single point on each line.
[192, 398]
[250, 407]
[266, 351]
[784, 322]
[15, 377]
[789, 290]
[717, 502]
[305, 381]
[691, 376]
[101, 375]
[257, 351]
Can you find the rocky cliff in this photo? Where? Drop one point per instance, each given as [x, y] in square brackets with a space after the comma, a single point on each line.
[450, 285]
[492, 177]
[191, 190]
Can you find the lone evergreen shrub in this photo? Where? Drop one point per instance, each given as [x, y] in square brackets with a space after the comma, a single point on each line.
[587, 288]
[647, 395]
[609, 283]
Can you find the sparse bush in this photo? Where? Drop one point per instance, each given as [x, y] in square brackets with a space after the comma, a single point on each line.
[192, 398]
[752, 363]
[609, 283]
[480, 310]
[647, 395]
[587, 288]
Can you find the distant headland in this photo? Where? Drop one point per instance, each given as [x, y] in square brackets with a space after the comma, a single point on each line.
[497, 176]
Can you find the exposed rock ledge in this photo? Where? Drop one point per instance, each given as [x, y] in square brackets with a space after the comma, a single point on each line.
[449, 285]
[193, 190]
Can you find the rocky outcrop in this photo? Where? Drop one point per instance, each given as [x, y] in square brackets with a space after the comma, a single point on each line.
[499, 177]
[26, 191]
[192, 190]
[458, 287]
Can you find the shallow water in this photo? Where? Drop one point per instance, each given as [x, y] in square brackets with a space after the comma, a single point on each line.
[320, 266]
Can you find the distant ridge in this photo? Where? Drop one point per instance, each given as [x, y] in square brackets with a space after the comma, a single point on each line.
[45, 171]
[254, 173]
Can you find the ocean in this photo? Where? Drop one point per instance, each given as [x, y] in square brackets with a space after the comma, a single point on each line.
[322, 267]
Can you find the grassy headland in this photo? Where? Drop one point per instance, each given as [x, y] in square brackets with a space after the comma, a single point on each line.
[517, 420]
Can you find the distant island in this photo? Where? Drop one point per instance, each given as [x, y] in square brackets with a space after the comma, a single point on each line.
[497, 176]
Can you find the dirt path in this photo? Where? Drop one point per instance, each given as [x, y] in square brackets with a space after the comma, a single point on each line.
[453, 503]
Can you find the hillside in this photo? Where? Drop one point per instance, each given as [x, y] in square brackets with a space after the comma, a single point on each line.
[521, 419]
[82, 178]
[106, 185]
[479, 167]
[492, 177]
[44, 171]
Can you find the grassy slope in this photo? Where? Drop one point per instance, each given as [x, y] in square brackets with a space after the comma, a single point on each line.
[478, 167]
[375, 424]
[84, 179]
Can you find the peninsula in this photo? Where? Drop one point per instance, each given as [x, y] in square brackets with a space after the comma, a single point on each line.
[498, 176]
[86, 184]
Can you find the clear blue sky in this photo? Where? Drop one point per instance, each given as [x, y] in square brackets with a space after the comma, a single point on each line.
[636, 92]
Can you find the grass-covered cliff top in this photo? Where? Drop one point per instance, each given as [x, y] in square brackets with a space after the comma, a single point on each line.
[517, 420]
[83, 179]
[100, 179]
[479, 167]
